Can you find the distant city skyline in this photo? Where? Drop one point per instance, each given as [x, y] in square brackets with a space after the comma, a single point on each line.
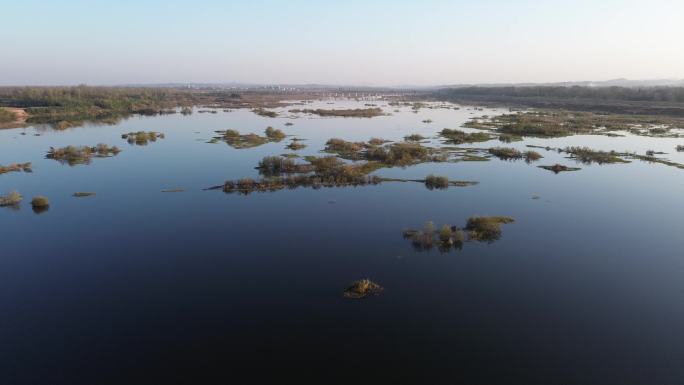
[364, 43]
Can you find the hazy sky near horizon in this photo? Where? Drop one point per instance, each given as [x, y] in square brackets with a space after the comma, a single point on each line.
[372, 42]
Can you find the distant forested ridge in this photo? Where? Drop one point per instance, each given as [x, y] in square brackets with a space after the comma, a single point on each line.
[651, 94]
[641, 100]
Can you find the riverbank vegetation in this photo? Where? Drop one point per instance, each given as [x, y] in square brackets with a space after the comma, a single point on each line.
[64, 107]
[560, 123]
[7, 116]
[76, 104]
[623, 100]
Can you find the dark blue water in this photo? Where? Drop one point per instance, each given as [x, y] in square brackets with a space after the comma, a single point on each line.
[136, 286]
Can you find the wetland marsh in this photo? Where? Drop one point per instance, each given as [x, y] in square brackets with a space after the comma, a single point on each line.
[525, 267]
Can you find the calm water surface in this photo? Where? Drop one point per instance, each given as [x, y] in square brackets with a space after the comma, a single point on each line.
[136, 286]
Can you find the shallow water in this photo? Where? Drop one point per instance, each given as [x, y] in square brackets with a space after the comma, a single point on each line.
[138, 286]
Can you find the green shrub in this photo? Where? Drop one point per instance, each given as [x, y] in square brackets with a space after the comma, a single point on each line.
[505, 153]
[295, 145]
[377, 141]
[40, 201]
[362, 288]
[266, 113]
[436, 182]
[274, 134]
[141, 138]
[557, 168]
[74, 155]
[16, 167]
[445, 233]
[587, 155]
[414, 138]
[11, 199]
[461, 137]
[487, 229]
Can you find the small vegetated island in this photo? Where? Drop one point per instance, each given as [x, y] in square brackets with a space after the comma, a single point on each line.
[142, 138]
[280, 172]
[83, 194]
[478, 229]
[434, 182]
[296, 144]
[265, 113]
[12, 199]
[506, 153]
[558, 168]
[362, 289]
[344, 113]
[414, 138]
[587, 156]
[75, 155]
[239, 141]
[555, 124]
[460, 137]
[40, 204]
[16, 167]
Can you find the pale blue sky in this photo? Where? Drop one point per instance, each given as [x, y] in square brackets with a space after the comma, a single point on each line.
[372, 42]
